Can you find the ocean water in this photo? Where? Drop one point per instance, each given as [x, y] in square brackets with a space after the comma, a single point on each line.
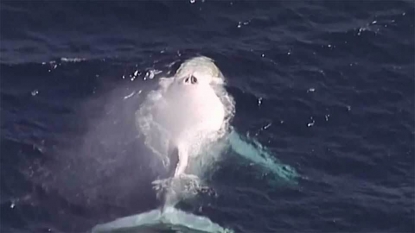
[328, 86]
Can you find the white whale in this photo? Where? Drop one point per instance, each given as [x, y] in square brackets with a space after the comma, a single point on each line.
[186, 123]
[186, 113]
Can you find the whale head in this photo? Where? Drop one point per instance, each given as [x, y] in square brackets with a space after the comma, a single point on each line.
[199, 70]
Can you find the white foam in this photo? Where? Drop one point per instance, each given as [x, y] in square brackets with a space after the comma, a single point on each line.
[75, 59]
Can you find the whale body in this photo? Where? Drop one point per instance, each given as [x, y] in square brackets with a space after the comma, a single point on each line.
[186, 124]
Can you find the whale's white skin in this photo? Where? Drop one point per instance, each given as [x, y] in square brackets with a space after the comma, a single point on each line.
[189, 114]
[192, 114]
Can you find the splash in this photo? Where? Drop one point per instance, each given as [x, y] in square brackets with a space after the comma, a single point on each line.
[186, 124]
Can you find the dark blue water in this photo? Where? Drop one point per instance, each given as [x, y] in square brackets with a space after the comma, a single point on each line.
[327, 86]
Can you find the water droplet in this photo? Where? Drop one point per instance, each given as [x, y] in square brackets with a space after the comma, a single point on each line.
[311, 123]
[327, 117]
[267, 126]
[192, 1]
[35, 92]
[149, 75]
[311, 90]
[128, 96]
[262, 55]
[12, 205]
